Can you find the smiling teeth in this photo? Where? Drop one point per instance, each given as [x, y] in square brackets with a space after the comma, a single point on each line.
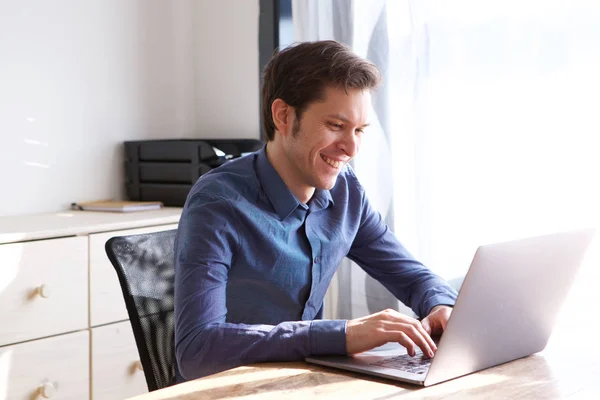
[334, 164]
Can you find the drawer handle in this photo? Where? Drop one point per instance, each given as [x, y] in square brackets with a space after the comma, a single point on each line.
[44, 291]
[47, 390]
[134, 367]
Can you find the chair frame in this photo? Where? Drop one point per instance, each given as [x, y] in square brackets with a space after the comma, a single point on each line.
[134, 316]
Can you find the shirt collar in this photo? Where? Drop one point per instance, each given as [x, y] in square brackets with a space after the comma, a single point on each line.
[283, 200]
[320, 200]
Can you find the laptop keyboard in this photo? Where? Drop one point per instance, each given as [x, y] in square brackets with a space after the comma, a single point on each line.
[417, 364]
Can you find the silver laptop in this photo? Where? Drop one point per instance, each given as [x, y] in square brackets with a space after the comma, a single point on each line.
[506, 309]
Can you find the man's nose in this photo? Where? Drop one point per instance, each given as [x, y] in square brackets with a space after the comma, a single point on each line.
[350, 144]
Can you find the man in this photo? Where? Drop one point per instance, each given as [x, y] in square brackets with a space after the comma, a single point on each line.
[261, 237]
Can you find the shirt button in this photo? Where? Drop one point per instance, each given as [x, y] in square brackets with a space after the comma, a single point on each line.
[317, 259]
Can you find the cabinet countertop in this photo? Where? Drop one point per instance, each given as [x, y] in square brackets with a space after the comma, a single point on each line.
[19, 228]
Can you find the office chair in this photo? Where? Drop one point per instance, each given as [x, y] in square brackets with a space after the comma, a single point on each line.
[146, 270]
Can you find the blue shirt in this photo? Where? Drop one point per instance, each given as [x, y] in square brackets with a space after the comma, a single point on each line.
[253, 265]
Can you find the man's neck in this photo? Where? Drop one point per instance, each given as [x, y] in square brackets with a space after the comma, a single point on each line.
[285, 170]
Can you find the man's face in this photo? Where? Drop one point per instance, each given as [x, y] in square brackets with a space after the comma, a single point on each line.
[328, 136]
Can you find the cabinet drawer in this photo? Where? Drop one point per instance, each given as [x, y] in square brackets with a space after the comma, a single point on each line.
[56, 367]
[106, 298]
[43, 288]
[116, 369]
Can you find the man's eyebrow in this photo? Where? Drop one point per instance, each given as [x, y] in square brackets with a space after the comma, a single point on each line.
[344, 119]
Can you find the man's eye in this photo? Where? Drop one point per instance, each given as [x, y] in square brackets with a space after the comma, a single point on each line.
[336, 126]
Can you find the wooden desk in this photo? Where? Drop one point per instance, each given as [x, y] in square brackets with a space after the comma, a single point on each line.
[547, 375]
[569, 367]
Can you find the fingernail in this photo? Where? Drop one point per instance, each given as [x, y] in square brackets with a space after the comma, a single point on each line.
[431, 354]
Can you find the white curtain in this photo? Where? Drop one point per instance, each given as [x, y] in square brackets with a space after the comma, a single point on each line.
[486, 125]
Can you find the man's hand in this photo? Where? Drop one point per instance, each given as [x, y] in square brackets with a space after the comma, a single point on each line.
[435, 322]
[377, 329]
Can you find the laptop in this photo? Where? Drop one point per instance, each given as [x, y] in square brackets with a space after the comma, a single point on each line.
[506, 309]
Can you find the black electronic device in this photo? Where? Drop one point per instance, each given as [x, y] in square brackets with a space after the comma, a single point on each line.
[166, 170]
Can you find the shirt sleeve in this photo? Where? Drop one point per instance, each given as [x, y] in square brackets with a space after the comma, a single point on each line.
[378, 251]
[205, 343]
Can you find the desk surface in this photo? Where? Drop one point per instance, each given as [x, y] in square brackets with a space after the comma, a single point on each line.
[569, 367]
[70, 223]
[554, 373]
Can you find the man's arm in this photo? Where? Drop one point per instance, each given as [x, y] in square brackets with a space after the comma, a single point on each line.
[205, 343]
[380, 254]
[377, 250]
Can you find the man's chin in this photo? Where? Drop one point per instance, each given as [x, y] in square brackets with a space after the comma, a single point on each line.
[327, 184]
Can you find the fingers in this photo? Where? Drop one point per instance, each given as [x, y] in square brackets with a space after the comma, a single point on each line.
[444, 315]
[405, 341]
[427, 337]
[444, 319]
[422, 339]
[426, 325]
[437, 320]
[395, 316]
[410, 336]
[389, 326]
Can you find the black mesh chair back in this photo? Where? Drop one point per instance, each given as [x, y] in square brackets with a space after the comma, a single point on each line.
[146, 270]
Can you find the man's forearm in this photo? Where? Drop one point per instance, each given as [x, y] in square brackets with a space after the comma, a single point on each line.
[386, 260]
[218, 347]
[429, 292]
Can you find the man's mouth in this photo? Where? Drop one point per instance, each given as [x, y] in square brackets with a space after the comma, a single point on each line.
[331, 162]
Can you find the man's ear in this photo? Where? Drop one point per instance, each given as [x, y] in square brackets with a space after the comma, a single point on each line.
[282, 116]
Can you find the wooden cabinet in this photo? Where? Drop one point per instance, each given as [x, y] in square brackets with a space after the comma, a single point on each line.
[64, 330]
[57, 367]
[116, 368]
[39, 281]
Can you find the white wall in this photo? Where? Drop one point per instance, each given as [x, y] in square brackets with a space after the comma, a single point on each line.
[78, 77]
[227, 63]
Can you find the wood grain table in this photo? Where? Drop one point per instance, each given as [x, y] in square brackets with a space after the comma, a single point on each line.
[569, 368]
[547, 375]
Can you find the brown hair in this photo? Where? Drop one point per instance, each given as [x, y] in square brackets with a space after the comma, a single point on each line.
[300, 73]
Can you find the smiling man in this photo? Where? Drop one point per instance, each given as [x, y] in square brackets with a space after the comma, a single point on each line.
[261, 236]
